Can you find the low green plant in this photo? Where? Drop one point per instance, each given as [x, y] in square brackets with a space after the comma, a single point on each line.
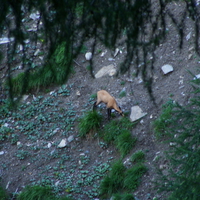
[115, 128]
[36, 192]
[122, 94]
[125, 142]
[113, 182]
[164, 120]
[3, 194]
[56, 71]
[123, 82]
[138, 157]
[133, 175]
[125, 196]
[121, 180]
[89, 122]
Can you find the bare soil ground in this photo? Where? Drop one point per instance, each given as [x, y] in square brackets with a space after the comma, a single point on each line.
[62, 167]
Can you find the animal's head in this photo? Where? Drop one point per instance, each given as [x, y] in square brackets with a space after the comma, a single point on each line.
[121, 112]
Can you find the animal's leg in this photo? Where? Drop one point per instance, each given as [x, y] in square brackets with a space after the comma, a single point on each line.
[94, 106]
[109, 113]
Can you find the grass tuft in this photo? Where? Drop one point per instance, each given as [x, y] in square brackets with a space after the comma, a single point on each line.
[125, 142]
[90, 122]
[123, 197]
[160, 124]
[36, 192]
[3, 194]
[133, 176]
[114, 181]
[138, 157]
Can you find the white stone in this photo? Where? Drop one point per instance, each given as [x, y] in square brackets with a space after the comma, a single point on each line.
[167, 68]
[136, 113]
[57, 182]
[63, 143]
[6, 125]
[36, 52]
[188, 36]
[34, 16]
[6, 40]
[70, 138]
[78, 93]
[56, 130]
[49, 145]
[25, 97]
[197, 76]
[116, 52]
[18, 143]
[1, 153]
[88, 56]
[106, 70]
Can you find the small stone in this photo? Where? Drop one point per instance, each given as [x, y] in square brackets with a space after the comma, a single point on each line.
[52, 92]
[88, 56]
[18, 143]
[116, 52]
[190, 56]
[49, 145]
[63, 143]
[36, 52]
[56, 130]
[56, 184]
[111, 59]
[70, 138]
[188, 36]
[25, 97]
[78, 93]
[6, 40]
[6, 125]
[103, 53]
[172, 144]
[167, 68]
[1, 153]
[197, 76]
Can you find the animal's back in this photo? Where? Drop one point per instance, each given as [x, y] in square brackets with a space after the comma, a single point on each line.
[104, 95]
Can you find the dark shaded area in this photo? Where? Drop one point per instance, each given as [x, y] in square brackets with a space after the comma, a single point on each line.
[142, 22]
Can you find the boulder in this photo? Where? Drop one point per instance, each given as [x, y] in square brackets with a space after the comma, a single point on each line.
[136, 113]
[106, 70]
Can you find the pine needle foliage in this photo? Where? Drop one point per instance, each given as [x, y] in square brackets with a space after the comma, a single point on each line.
[53, 72]
[182, 179]
[75, 22]
[125, 196]
[90, 122]
[3, 194]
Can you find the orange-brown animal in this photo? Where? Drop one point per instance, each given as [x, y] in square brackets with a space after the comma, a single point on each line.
[105, 97]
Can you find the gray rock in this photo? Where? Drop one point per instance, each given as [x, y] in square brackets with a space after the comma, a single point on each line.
[136, 113]
[70, 138]
[88, 56]
[63, 143]
[106, 70]
[167, 68]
